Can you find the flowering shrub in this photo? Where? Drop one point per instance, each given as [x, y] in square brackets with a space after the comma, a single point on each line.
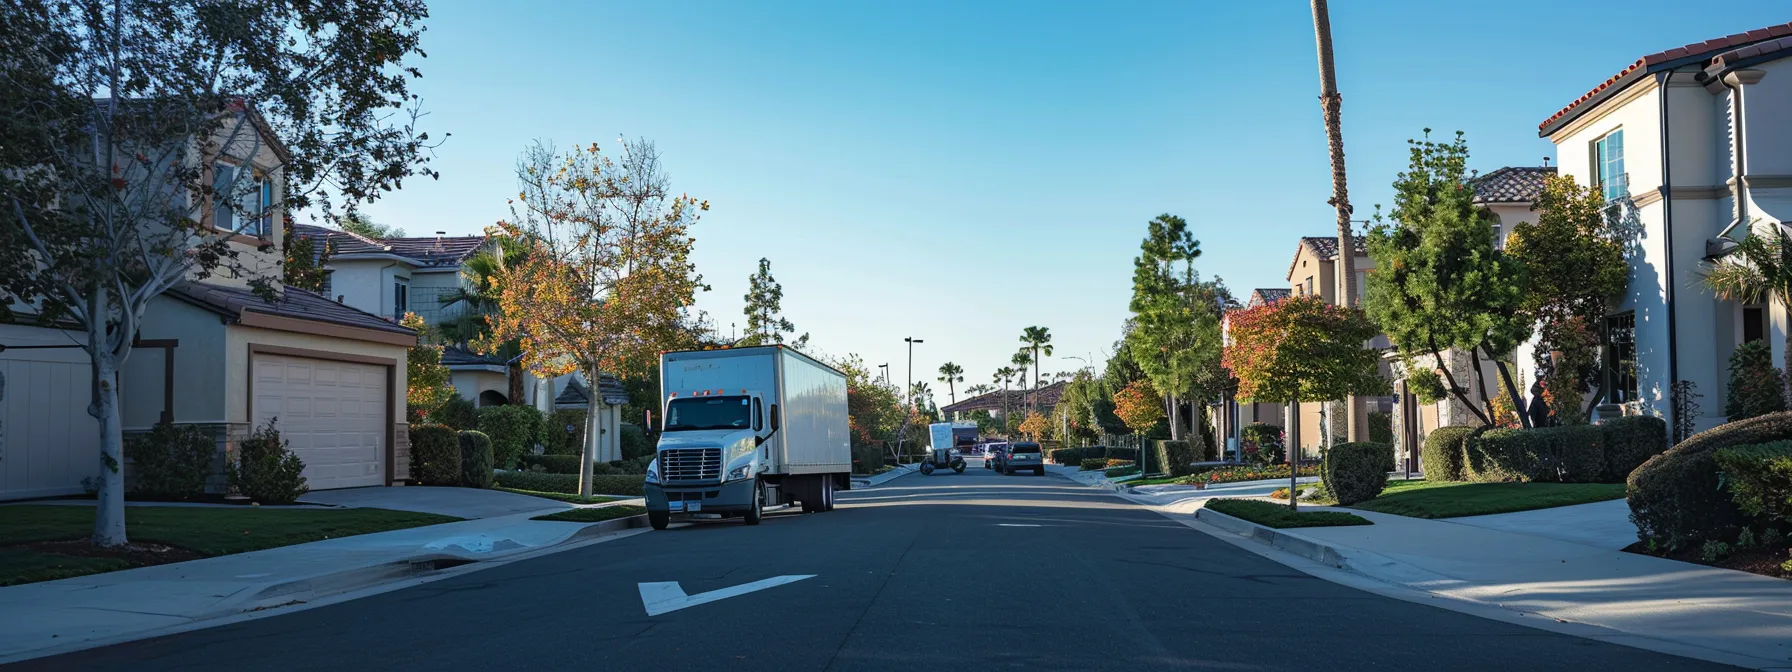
[1249, 472]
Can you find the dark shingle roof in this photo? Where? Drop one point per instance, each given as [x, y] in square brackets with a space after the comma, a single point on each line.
[1326, 247]
[1017, 399]
[293, 302]
[427, 252]
[455, 355]
[1265, 295]
[574, 396]
[1658, 61]
[1512, 184]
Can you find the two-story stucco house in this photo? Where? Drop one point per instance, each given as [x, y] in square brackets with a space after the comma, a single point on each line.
[1692, 147]
[211, 352]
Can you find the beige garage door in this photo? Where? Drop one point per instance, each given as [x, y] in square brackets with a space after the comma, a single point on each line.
[332, 414]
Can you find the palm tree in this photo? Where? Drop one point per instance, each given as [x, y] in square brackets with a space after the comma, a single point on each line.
[1022, 360]
[950, 374]
[1759, 268]
[1003, 375]
[1332, 105]
[921, 394]
[1039, 340]
[978, 389]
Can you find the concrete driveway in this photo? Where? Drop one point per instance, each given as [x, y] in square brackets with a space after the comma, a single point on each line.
[458, 502]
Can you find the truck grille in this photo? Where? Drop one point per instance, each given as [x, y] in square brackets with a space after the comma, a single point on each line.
[691, 464]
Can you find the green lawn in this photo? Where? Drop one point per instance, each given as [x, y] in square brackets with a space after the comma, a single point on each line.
[595, 515]
[1278, 516]
[1427, 499]
[201, 531]
[563, 497]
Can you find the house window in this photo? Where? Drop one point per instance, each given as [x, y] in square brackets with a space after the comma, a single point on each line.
[246, 206]
[1608, 166]
[1620, 357]
[1362, 286]
[401, 300]
[1308, 286]
[1754, 324]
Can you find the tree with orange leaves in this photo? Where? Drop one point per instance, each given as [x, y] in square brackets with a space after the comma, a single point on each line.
[608, 277]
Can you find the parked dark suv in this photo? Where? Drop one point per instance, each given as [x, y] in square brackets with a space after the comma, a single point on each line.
[1023, 456]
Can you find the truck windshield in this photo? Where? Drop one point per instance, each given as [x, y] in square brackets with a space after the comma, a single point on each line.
[709, 413]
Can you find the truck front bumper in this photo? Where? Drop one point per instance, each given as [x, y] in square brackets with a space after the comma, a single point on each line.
[729, 497]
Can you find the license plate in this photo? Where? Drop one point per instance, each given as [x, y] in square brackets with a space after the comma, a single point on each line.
[675, 506]
[693, 506]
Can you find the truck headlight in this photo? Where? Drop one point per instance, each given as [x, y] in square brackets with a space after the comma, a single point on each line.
[653, 472]
[741, 471]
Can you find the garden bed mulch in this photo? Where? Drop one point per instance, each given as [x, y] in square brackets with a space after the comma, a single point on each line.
[1763, 561]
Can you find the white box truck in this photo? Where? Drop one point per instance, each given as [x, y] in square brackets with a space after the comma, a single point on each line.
[746, 429]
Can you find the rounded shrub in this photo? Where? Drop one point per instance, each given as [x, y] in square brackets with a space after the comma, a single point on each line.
[170, 461]
[457, 413]
[1677, 498]
[265, 471]
[435, 455]
[1353, 471]
[1629, 442]
[1756, 388]
[563, 432]
[634, 442]
[1093, 463]
[514, 429]
[475, 459]
[1441, 457]
[1176, 458]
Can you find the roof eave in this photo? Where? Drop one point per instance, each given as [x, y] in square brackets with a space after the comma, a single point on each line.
[1581, 108]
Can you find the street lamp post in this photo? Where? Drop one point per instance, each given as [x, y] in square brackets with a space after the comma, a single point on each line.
[886, 372]
[910, 390]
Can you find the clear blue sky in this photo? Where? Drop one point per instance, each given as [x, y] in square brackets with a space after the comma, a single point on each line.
[957, 171]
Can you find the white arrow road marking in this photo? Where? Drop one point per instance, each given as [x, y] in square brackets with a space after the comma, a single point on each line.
[660, 597]
[1015, 525]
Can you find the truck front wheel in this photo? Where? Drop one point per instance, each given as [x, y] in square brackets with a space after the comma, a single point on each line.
[758, 510]
[659, 519]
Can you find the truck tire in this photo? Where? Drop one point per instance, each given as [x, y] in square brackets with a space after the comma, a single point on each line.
[1039, 471]
[926, 468]
[827, 493]
[659, 519]
[958, 466]
[758, 510]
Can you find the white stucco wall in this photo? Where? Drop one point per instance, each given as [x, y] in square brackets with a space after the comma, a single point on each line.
[366, 284]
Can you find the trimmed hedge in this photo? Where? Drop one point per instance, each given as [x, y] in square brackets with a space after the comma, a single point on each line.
[457, 413]
[1093, 463]
[1381, 428]
[265, 470]
[1756, 386]
[1262, 443]
[475, 459]
[1128, 454]
[1070, 456]
[514, 430]
[556, 440]
[1760, 478]
[1629, 442]
[552, 464]
[435, 455]
[1571, 454]
[1353, 472]
[1175, 458]
[170, 461]
[621, 484]
[1441, 457]
[1677, 499]
[634, 442]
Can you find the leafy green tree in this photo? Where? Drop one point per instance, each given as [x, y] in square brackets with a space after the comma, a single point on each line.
[121, 117]
[1439, 283]
[764, 322]
[1756, 388]
[303, 266]
[1573, 258]
[1038, 341]
[362, 225]
[1175, 337]
[425, 376]
[873, 410]
[951, 374]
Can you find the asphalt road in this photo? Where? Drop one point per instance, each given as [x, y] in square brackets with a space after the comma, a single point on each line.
[972, 571]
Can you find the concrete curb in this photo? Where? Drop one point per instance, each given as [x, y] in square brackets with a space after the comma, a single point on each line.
[880, 479]
[1269, 536]
[349, 580]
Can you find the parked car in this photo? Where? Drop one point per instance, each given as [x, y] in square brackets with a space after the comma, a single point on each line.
[1022, 456]
[993, 452]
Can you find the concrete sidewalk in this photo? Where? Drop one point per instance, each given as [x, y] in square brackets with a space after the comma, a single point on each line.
[1716, 614]
[873, 481]
[72, 614]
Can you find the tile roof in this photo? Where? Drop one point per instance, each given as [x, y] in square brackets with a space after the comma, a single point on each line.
[1659, 61]
[426, 251]
[574, 396]
[1326, 247]
[293, 302]
[1739, 57]
[1048, 397]
[1512, 184]
[1267, 295]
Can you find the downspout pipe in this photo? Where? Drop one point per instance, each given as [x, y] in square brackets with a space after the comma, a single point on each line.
[1667, 225]
[1734, 81]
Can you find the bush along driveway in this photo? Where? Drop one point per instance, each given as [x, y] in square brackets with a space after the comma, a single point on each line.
[43, 543]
